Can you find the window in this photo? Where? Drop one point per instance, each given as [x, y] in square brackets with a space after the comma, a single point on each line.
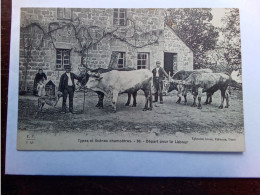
[62, 58]
[120, 17]
[142, 61]
[64, 13]
[121, 60]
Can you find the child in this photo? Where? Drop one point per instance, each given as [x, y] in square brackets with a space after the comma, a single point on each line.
[41, 88]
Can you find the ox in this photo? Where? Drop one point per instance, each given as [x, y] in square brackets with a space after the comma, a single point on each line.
[117, 82]
[200, 82]
[86, 73]
[176, 84]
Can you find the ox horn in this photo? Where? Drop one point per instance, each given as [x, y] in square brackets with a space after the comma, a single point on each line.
[81, 69]
[99, 78]
[175, 81]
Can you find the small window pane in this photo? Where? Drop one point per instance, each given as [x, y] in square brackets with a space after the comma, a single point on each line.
[116, 21]
[122, 15]
[67, 13]
[120, 61]
[122, 21]
[60, 13]
[116, 14]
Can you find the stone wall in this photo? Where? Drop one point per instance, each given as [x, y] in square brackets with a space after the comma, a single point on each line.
[148, 23]
[173, 44]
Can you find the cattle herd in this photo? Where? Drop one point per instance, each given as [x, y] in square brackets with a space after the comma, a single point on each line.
[112, 83]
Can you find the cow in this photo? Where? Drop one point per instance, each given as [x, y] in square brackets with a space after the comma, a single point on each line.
[200, 82]
[84, 76]
[117, 82]
[176, 84]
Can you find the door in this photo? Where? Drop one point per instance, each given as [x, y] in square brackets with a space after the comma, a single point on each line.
[170, 62]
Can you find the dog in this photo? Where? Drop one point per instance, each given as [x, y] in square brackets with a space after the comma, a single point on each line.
[49, 100]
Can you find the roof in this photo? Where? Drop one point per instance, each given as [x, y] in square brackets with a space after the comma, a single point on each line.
[50, 83]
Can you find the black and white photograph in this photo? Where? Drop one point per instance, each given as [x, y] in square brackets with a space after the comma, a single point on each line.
[149, 79]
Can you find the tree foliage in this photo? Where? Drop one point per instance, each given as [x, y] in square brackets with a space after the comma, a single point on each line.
[231, 43]
[193, 26]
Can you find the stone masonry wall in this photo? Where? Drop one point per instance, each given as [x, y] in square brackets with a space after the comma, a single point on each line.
[147, 22]
[173, 44]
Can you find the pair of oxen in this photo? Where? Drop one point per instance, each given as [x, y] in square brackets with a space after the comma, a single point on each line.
[114, 82]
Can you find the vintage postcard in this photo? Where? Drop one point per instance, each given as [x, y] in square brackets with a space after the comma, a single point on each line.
[130, 79]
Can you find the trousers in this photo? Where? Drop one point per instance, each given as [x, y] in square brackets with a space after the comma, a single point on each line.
[68, 91]
[158, 87]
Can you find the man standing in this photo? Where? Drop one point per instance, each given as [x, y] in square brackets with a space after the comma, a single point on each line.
[67, 86]
[158, 73]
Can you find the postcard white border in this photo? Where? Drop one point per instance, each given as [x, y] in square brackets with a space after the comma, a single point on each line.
[127, 163]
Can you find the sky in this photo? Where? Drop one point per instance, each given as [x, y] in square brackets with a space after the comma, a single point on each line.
[217, 13]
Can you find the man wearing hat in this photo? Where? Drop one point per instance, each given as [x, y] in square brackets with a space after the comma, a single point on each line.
[158, 73]
[67, 87]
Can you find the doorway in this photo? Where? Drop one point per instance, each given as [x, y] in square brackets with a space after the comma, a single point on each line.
[170, 62]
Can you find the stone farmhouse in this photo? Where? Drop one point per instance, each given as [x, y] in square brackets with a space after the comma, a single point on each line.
[53, 38]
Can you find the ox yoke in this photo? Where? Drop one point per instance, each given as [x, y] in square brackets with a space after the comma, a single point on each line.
[124, 81]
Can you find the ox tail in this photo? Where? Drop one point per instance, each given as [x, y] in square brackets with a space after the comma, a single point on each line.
[150, 94]
[227, 96]
[228, 91]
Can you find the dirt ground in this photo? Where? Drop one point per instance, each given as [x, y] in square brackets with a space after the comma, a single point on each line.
[167, 118]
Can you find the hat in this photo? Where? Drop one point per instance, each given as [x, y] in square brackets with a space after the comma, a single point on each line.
[67, 67]
[158, 62]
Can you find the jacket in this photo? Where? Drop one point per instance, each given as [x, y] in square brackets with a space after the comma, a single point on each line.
[161, 73]
[64, 81]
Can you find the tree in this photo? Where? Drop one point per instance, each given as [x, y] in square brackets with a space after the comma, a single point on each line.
[230, 45]
[194, 28]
